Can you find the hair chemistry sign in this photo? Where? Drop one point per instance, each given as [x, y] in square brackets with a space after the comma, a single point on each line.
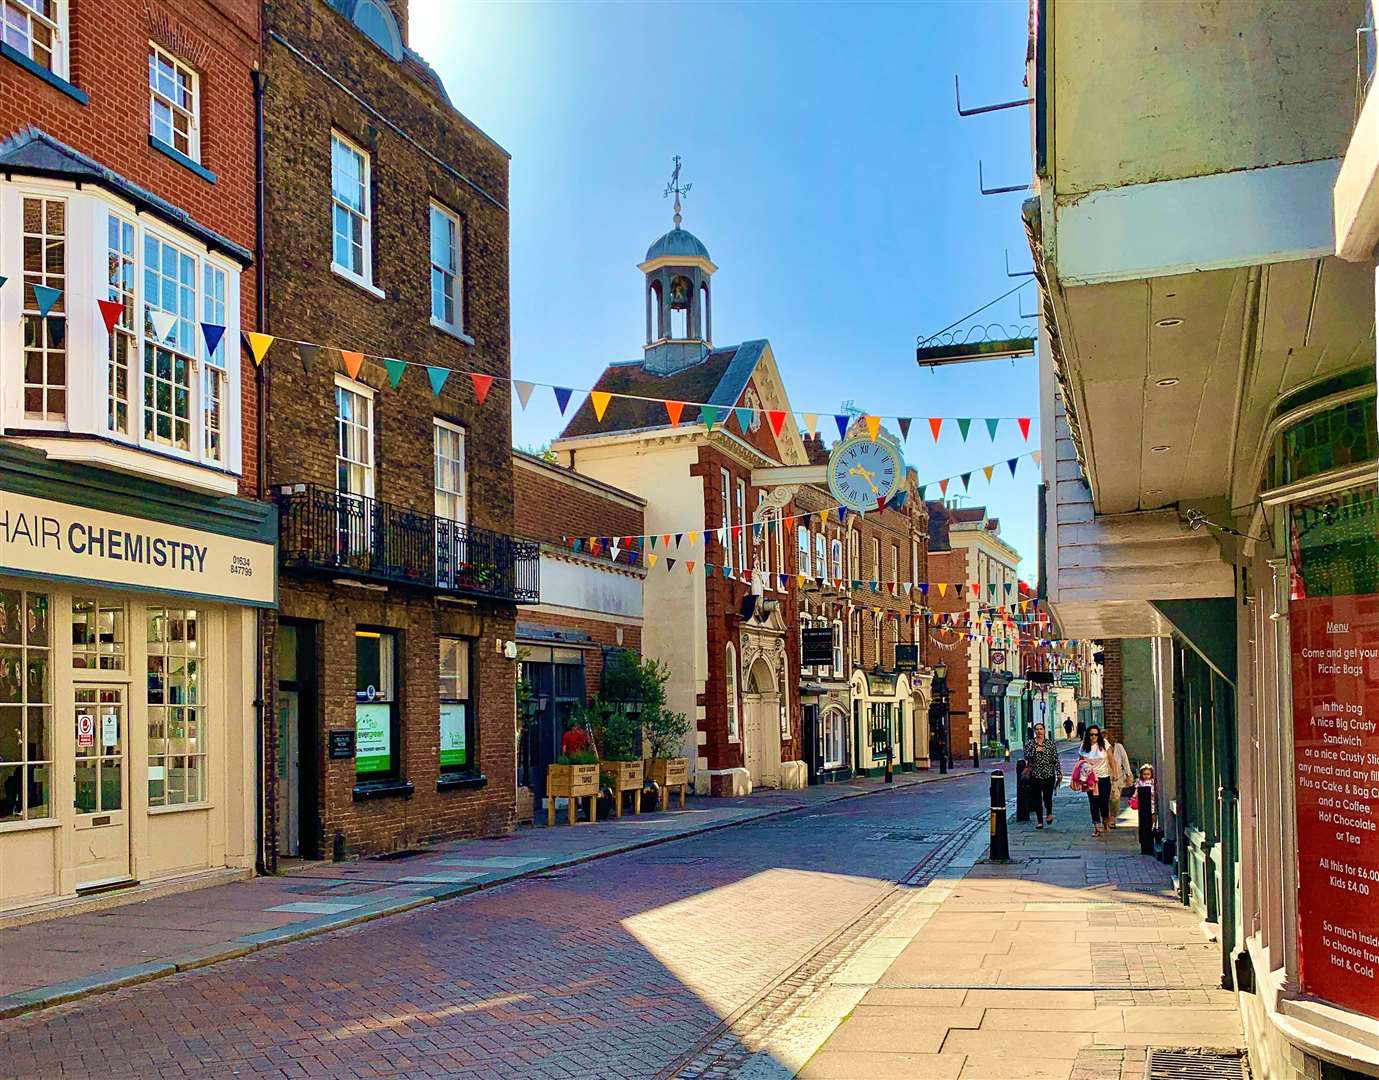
[1333, 616]
[43, 538]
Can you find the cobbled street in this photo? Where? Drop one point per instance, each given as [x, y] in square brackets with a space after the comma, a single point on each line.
[621, 967]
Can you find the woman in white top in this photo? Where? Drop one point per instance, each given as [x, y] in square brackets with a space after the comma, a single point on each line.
[1122, 777]
[1097, 760]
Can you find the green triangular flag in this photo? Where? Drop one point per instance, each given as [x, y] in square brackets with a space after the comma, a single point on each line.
[2, 282]
[709, 414]
[437, 375]
[744, 419]
[395, 369]
[963, 424]
[992, 423]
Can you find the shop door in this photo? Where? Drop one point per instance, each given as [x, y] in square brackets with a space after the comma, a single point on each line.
[102, 787]
[289, 776]
[812, 738]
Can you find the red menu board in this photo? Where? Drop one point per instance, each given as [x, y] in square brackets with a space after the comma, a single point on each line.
[1334, 622]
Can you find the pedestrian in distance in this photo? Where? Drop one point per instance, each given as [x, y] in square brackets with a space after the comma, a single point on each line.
[1095, 760]
[1045, 773]
[1067, 729]
[1122, 777]
[1081, 729]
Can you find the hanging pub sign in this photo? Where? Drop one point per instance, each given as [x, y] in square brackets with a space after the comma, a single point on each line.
[816, 643]
[906, 657]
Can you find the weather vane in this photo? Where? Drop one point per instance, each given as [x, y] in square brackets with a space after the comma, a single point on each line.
[675, 186]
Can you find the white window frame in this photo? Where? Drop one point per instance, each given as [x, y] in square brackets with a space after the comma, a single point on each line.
[854, 555]
[820, 555]
[57, 26]
[126, 329]
[187, 351]
[837, 648]
[726, 535]
[368, 468]
[47, 418]
[836, 555]
[439, 458]
[731, 691]
[364, 277]
[895, 563]
[779, 527]
[876, 558]
[742, 525]
[455, 294]
[804, 552]
[158, 54]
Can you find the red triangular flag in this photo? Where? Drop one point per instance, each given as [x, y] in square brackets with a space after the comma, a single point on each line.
[673, 410]
[111, 310]
[1024, 427]
[777, 418]
[481, 385]
[935, 422]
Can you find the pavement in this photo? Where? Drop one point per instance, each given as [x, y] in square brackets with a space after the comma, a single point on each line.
[1069, 963]
[60, 959]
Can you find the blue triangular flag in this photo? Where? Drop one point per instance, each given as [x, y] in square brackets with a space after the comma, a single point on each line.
[1013, 462]
[842, 514]
[437, 375]
[2, 282]
[45, 296]
[212, 332]
[744, 419]
[562, 397]
[842, 422]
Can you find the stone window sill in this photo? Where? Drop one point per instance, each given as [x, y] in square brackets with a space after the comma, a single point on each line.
[383, 789]
[451, 331]
[56, 81]
[358, 282]
[182, 159]
[461, 781]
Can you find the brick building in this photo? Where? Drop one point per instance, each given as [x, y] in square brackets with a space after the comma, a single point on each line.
[133, 555]
[387, 236]
[591, 603]
[727, 625]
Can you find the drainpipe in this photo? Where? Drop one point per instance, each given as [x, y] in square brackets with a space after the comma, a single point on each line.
[265, 786]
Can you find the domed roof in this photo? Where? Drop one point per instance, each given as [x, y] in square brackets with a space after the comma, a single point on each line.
[677, 244]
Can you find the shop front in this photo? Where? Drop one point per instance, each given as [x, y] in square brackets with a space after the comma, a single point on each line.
[882, 725]
[128, 664]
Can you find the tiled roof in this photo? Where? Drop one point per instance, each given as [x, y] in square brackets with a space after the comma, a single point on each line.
[718, 379]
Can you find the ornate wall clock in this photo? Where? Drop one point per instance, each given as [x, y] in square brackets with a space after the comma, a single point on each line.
[861, 471]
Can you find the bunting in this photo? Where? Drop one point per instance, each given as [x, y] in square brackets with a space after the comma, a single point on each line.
[523, 390]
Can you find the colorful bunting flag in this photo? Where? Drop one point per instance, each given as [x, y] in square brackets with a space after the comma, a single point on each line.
[935, 423]
[111, 310]
[670, 564]
[873, 426]
[744, 419]
[211, 333]
[562, 397]
[164, 322]
[524, 390]
[258, 345]
[45, 296]
[943, 487]
[709, 414]
[965, 478]
[903, 422]
[307, 353]
[988, 469]
[394, 369]
[842, 421]
[482, 383]
[1023, 421]
[1013, 464]
[674, 409]
[689, 566]
[992, 423]
[437, 376]
[600, 399]
[811, 420]
[777, 419]
[963, 424]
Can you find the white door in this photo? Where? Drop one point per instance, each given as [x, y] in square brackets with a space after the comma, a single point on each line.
[102, 786]
[751, 736]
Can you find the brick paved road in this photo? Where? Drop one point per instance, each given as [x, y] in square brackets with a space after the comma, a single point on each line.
[610, 969]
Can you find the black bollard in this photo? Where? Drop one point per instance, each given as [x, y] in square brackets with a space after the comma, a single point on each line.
[976, 755]
[1000, 839]
[890, 767]
[1145, 800]
[1022, 792]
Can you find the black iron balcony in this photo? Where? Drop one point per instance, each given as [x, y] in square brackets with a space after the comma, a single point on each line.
[328, 531]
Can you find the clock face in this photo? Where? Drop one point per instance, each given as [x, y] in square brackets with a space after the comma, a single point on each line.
[861, 471]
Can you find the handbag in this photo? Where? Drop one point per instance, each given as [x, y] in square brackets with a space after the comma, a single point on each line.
[1078, 780]
[1134, 802]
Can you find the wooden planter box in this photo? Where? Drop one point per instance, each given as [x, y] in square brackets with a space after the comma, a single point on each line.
[573, 782]
[669, 773]
[627, 776]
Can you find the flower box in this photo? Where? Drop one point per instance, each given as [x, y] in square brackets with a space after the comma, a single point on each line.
[573, 782]
[625, 776]
[669, 773]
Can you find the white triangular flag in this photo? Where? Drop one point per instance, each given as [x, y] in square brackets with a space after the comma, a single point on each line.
[163, 323]
[524, 390]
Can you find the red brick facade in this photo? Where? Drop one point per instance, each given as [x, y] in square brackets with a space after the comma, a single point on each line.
[1112, 689]
[108, 57]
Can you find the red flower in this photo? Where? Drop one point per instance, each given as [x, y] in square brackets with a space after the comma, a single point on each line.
[574, 741]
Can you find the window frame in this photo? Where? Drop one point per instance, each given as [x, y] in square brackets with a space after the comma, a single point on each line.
[804, 552]
[438, 427]
[730, 690]
[370, 467]
[46, 418]
[742, 524]
[836, 558]
[455, 295]
[470, 767]
[837, 648]
[394, 772]
[363, 277]
[24, 706]
[61, 65]
[200, 655]
[726, 534]
[193, 151]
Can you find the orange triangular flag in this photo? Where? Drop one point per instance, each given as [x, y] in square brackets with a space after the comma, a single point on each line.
[689, 567]
[988, 469]
[481, 385]
[353, 362]
[673, 410]
[873, 426]
[943, 487]
[258, 345]
[935, 422]
[600, 400]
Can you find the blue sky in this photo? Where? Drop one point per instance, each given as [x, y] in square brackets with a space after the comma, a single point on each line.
[833, 183]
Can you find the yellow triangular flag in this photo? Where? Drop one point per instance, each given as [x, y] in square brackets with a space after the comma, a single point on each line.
[694, 538]
[943, 588]
[600, 398]
[988, 470]
[811, 421]
[800, 582]
[258, 345]
[873, 426]
[650, 559]
[1034, 457]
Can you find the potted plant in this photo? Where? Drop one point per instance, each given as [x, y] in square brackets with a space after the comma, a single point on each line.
[617, 729]
[574, 776]
[664, 732]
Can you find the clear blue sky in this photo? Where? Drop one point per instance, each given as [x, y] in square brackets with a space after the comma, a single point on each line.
[834, 185]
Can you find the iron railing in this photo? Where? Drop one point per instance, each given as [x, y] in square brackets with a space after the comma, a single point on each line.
[326, 530]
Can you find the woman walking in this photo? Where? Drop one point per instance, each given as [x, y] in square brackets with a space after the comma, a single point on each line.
[1045, 772]
[1122, 777]
[1096, 762]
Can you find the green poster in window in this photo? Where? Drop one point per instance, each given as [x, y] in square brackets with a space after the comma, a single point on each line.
[373, 738]
[453, 748]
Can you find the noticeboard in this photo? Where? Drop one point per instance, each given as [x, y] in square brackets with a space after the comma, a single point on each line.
[816, 644]
[906, 657]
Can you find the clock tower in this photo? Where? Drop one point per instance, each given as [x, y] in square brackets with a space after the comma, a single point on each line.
[679, 306]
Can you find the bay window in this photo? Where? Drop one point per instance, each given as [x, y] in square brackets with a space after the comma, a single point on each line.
[121, 285]
[725, 534]
[213, 374]
[169, 288]
[45, 337]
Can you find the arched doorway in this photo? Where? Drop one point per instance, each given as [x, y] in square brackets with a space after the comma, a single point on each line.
[761, 725]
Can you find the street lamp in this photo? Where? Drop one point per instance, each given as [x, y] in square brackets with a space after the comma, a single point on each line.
[945, 761]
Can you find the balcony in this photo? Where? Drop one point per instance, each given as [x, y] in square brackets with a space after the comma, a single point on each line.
[326, 531]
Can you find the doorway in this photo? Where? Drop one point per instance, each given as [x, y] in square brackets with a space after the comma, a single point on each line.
[102, 787]
[556, 688]
[761, 734]
[298, 759]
